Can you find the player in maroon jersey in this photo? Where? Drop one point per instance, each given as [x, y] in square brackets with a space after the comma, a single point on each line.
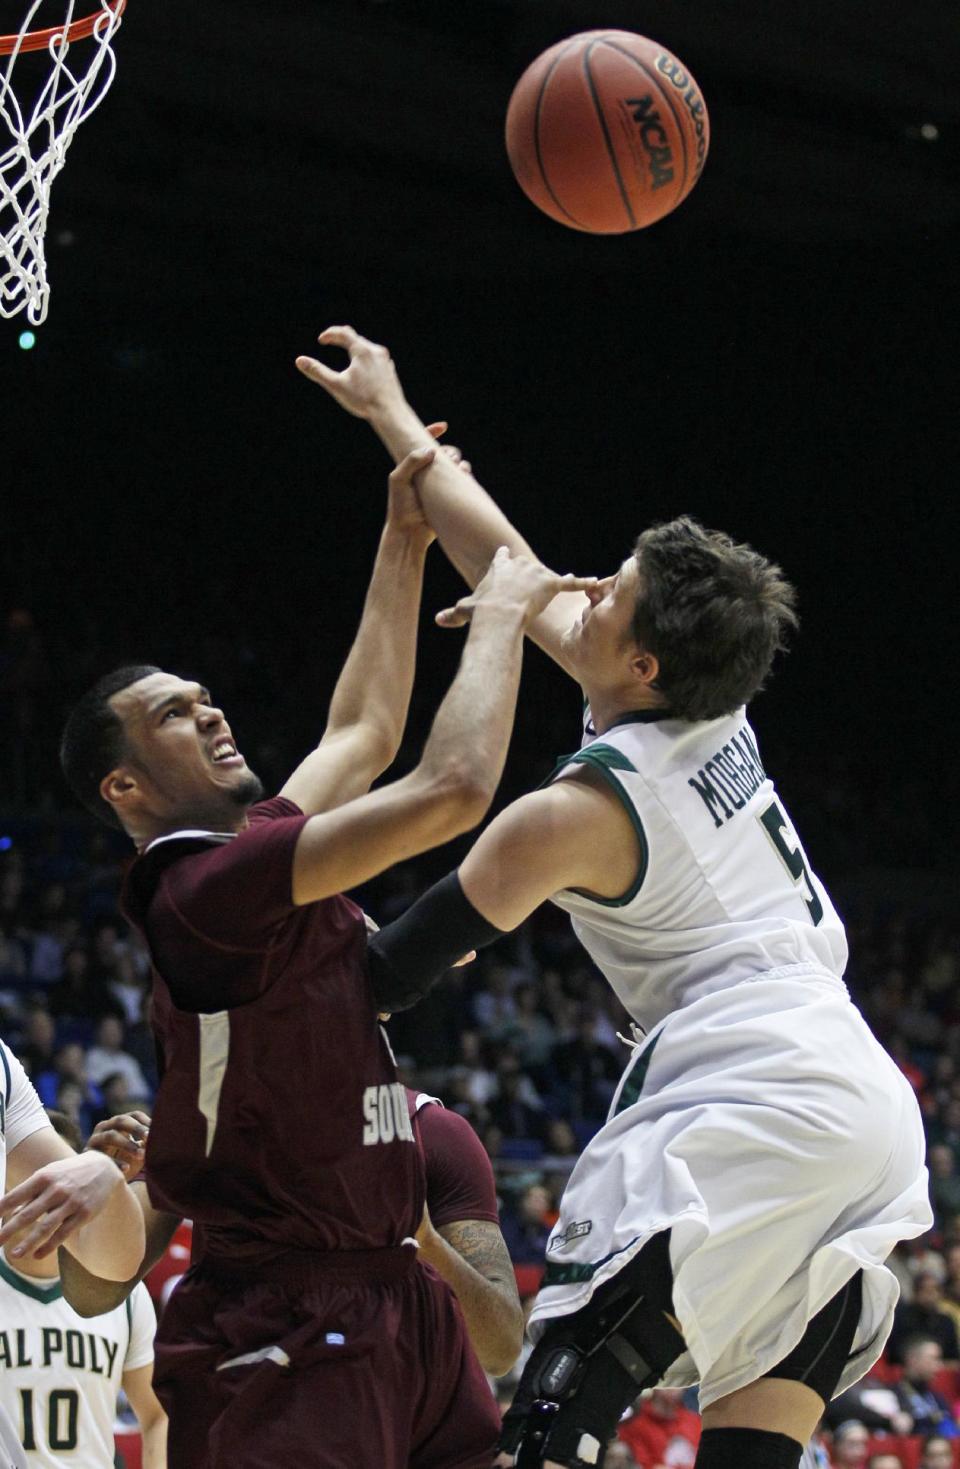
[304, 1334]
[460, 1234]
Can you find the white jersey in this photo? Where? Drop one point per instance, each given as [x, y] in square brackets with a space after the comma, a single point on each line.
[760, 1121]
[60, 1372]
[21, 1113]
[21, 1110]
[724, 891]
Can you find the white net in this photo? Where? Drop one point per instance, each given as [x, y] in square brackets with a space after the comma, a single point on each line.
[35, 134]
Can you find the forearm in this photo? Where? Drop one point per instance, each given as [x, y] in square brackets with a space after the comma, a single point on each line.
[471, 731]
[468, 522]
[154, 1436]
[375, 685]
[91, 1295]
[490, 1308]
[111, 1245]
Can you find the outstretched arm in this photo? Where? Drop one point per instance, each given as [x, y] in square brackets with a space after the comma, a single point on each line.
[454, 783]
[468, 523]
[368, 711]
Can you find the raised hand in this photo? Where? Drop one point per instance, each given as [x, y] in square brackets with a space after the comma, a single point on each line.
[515, 580]
[368, 382]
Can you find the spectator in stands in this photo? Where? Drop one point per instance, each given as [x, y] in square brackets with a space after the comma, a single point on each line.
[885, 1460]
[661, 1431]
[944, 1182]
[494, 1007]
[951, 1285]
[618, 1456]
[937, 1453]
[945, 1128]
[80, 995]
[923, 1316]
[530, 1033]
[527, 1230]
[850, 1444]
[929, 1409]
[587, 1071]
[872, 1403]
[516, 1109]
[108, 1058]
[561, 1141]
[69, 1067]
[38, 1044]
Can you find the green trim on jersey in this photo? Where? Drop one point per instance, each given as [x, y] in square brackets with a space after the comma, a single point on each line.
[633, 1085]
[573, 1274]
[26, 1288]
[604, 759]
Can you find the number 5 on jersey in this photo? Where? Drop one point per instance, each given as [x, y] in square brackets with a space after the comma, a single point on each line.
[787, 846]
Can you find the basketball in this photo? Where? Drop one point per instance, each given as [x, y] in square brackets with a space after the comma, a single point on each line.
[607, 132]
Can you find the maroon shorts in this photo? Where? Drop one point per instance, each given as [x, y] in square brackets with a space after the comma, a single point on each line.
[322, 1367]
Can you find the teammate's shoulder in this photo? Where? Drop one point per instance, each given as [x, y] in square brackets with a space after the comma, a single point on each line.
[441, 1124]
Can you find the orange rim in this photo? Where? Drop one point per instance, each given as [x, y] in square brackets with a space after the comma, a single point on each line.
[78, 31]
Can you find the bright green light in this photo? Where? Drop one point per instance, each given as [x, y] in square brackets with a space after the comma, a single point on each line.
[28, 340]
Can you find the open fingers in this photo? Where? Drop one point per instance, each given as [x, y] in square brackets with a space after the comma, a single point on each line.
[342, 336]
[316, 371]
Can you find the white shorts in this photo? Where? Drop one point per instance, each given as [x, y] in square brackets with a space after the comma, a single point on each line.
[768, 1130]
[11, 1452]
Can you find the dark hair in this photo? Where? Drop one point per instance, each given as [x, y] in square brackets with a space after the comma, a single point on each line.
[93, 741]
[713, 612]
[66, 1128]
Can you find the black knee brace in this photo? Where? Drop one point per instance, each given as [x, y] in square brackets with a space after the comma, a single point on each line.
[588, 1367]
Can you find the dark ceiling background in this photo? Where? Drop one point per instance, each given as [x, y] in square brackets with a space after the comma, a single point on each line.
[777, 357]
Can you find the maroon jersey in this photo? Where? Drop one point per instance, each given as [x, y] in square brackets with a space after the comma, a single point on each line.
[279, 1123]
[460, 1181]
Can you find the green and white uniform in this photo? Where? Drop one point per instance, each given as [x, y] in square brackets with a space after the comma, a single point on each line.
[60, 1373]
[759, 1120]
[21, 1114]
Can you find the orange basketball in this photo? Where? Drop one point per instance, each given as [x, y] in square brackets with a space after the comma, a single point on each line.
[607, 132]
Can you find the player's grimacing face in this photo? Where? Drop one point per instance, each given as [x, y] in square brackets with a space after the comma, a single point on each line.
[182, 746]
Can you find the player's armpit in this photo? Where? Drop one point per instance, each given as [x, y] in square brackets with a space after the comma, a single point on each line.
[574, 834]
[89, 1294]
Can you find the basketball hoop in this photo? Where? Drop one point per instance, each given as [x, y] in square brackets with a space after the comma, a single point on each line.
[40, 135]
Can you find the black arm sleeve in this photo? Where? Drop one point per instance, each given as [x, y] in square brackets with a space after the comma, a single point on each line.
[408, 956]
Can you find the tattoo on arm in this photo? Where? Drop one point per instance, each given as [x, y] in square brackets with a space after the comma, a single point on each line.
[481, 1244]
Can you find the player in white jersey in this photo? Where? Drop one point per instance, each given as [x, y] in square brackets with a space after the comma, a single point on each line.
[728, 1225]
[60, 1372]
[57, 1197]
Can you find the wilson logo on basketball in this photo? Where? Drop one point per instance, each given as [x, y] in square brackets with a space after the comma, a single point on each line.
[674, 72]
[653, 138]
